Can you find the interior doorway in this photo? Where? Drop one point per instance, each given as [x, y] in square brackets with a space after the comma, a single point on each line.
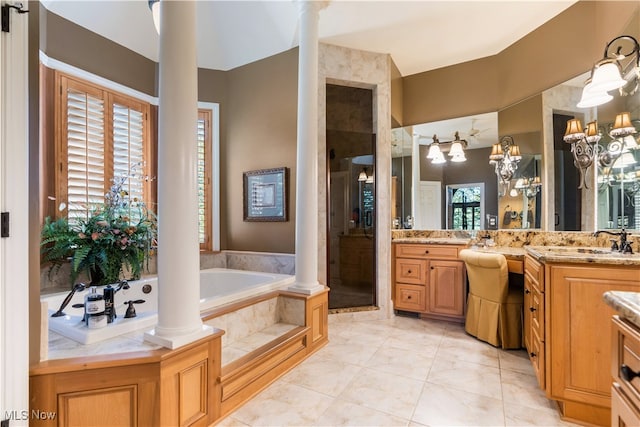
[351, 197]
[568, 199]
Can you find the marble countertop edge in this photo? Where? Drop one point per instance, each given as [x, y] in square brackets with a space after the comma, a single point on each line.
[627, 304]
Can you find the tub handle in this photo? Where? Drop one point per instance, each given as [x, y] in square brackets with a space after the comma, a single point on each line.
[131, 310]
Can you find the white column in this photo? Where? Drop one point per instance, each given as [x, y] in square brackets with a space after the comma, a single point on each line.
[416, 209]
[178, 252]
[307, 157]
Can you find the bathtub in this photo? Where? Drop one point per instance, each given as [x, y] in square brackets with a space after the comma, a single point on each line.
[218, 286]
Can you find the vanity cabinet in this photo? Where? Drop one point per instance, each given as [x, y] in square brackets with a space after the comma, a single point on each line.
[429, 279]
[534, 316]
[568, 334]
[625, 391]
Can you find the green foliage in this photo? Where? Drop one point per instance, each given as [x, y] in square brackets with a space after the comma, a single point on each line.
[105, 242]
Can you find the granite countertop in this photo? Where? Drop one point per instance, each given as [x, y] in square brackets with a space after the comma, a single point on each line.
[626, 303]
[433, 240]
[581, 255]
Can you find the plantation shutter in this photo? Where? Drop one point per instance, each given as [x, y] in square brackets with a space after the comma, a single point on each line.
[204, 180]
[85, 153]
[128, 153]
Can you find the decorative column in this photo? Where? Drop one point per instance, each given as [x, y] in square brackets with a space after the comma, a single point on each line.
[178, 252]
[307, 157]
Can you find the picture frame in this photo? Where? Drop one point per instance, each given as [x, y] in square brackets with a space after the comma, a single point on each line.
[265, 195]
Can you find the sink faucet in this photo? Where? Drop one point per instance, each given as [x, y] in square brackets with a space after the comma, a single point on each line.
[624, 246]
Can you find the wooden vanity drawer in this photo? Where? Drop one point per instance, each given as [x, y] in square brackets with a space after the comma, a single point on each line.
[427, 251]
[535, 271]
[536, 355]
[410, 297]
[411, 271]
[537, 312]
[626, 352]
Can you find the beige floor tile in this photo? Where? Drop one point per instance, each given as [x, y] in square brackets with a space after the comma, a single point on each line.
[465, 376]
[401, 362]
[443, 406]
[456, 344]
[342, 413]
[518, 415]
[230, 422]
[283, 404]
[384, 392]
[515, 360]
[325, 376]
[343, 351]
[523, 389]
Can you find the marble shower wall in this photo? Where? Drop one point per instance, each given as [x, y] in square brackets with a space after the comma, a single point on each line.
[356, 68]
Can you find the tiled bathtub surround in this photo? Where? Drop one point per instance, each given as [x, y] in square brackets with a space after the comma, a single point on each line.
[253, 326]
[517, 238]
[249, 261]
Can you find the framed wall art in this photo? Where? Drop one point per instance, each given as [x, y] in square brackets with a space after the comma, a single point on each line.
[266, 195]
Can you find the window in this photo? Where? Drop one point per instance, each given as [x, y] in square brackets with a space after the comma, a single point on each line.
[465, 206]
[100, 135]
[204, 179]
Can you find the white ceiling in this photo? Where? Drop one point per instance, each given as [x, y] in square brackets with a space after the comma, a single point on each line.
[419, 35]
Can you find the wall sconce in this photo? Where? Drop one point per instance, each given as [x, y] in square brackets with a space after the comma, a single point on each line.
[527, 186]
[456, 150]
[584, 146]
[505, 156]
[363, 175]
[619, 68]
[154, 5]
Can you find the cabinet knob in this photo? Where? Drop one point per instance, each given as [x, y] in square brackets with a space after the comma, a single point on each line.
[426, 252]
[527, 291]
[627, 373]
[408, 271]
[532, 354]
[409, 297]
[532, 309]
[433, 268]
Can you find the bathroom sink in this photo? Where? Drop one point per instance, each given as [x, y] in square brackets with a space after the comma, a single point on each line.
[570, 250]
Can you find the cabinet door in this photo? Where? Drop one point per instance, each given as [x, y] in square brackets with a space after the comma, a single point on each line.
[537, 356]
[579, 333]
[446, 288]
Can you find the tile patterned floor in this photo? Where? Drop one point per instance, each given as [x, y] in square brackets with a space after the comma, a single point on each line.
[402, 372]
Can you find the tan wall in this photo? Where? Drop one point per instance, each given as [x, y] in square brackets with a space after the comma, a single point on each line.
[74, 45]
[559, 50]
[261, 134]
[396, 96]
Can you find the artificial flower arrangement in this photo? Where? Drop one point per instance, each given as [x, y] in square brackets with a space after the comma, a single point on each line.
[104, 243]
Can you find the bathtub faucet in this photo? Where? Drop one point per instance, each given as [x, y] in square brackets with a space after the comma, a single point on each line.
[624, 246]
[109, 294]
[78, 287]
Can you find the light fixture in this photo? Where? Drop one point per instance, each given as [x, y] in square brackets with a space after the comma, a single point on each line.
[505, 156]
[363, 175]
[619, 68]
[456, 151]
[626, 159]
[622, 126]
[584, 146]
[434, 149]
[439, 158]
[154, 5]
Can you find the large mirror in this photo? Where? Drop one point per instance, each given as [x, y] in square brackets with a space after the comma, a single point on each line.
[618, 168]
[466, 195]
